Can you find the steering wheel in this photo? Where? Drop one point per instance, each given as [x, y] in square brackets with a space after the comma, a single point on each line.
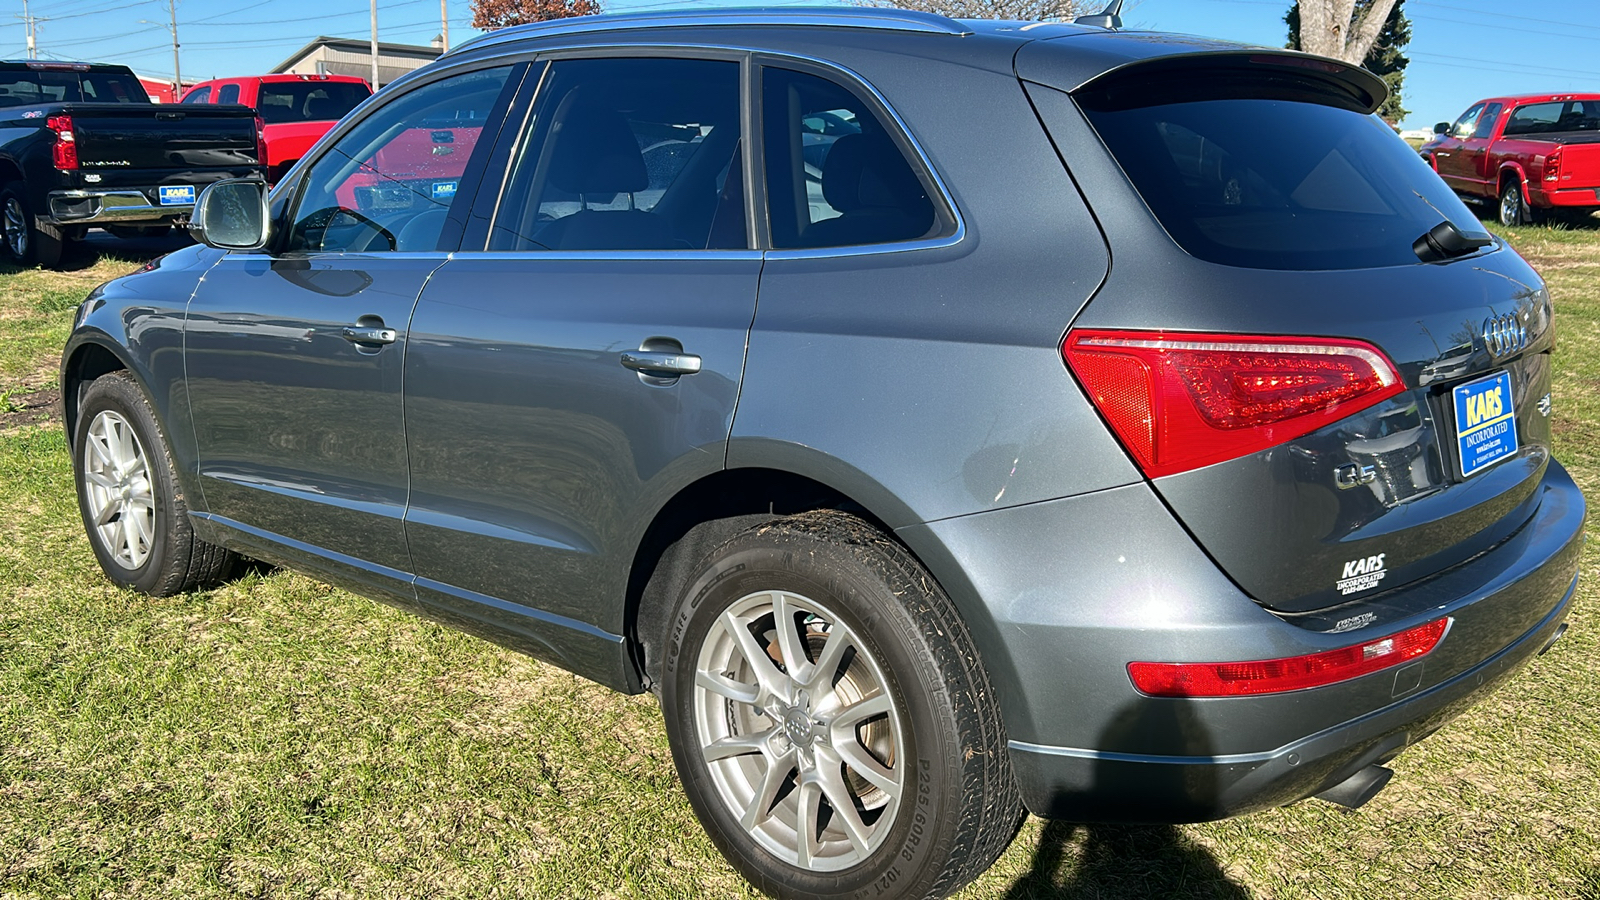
[327, 219]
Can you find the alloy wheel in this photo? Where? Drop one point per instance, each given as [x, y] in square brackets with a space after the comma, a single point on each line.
[121, 502]
[1510, 207]
[16, 228]
[799, 731]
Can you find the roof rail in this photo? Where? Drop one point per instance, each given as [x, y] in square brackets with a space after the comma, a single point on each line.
[832, 16]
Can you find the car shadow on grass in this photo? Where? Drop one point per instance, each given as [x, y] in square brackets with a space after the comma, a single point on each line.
[1122, 862]
[98, 245]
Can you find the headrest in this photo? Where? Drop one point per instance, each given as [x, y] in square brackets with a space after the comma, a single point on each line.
[319, 108]
[596, 152]
[867, 171]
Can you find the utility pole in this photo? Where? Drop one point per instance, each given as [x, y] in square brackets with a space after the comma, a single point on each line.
[444, 21]
[374, 45]
[177, 73]
[32, 24]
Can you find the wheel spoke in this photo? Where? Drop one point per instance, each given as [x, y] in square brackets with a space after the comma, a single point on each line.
[791, 646]
[141, 516]
[135, 468]
[100, 446]
[861, 710]
[99, 478]
[106, 512]
[760, 809]
[735, 745]
[863, 763]
[130, 538]
[808, 801]
[828, 660]
[724, 686]
[761, 665]
[831, 777]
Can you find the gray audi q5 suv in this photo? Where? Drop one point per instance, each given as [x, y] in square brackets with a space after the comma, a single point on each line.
[945, 418]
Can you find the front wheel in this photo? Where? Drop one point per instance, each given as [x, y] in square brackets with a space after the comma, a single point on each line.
[132, 507]
[830, 719]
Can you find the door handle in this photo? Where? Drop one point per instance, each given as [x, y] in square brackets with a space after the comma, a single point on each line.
[370, 334]
[1440, 153]
[661, 362]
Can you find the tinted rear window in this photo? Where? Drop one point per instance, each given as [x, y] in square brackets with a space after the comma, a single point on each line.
[308, 101]
[26, 88]
[1278, 183]
[1555, 117]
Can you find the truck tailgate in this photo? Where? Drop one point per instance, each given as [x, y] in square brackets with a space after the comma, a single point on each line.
[153, 137]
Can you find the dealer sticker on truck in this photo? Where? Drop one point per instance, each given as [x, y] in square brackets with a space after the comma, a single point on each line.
[177, 195]
[1486, 427]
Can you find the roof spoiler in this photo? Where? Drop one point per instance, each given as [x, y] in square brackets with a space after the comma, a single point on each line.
[1253, 72]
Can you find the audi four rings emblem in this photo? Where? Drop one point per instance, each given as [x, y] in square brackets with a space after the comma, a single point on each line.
[1504, 334]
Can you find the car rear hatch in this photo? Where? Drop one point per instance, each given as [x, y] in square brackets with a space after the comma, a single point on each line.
[1331, 405]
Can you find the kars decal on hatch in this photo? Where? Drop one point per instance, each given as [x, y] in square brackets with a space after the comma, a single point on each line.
[1362, 574]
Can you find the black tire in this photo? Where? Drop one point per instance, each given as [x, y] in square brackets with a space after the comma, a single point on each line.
[26, 242]
[955, 804]
[164, 557]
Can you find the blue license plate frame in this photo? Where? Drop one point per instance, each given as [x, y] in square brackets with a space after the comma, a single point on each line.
[1486, 423]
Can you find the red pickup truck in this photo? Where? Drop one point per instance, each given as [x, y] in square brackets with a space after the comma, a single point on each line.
[295, 110]
[1536, 155]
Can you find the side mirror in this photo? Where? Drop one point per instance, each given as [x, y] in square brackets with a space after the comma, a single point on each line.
[231, 215]
[1442, 128]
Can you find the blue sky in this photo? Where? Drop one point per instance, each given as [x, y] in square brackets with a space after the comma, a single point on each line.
[1460, 50]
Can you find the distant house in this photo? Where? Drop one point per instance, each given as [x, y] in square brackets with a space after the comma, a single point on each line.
[353, 56]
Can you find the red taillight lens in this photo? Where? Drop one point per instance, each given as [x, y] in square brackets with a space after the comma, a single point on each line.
[1181, 401]
[261, 141]
[1552, 167]
[1272, 676]
[64, 153]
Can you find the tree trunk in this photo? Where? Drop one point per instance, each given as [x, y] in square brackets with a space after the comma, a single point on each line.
[1339, 29]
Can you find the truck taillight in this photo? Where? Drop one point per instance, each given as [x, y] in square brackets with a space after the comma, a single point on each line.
[261, 141]
[64, 153]
[1181, 401]
[1552, 167]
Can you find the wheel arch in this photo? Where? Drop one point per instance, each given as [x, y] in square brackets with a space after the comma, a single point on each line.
[81, 365]
[1510, 170]
[704, 514]
[10, 170]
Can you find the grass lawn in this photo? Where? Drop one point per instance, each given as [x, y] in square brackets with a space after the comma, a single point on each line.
[281, 738]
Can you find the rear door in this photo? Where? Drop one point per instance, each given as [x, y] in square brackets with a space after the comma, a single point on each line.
[578, 362]
[295, 355]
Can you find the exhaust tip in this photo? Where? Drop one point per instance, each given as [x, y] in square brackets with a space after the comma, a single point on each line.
[1355, 791]
[1561, 631]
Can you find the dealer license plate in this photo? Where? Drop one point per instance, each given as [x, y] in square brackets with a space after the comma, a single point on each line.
[1486, 425]
[177, 195]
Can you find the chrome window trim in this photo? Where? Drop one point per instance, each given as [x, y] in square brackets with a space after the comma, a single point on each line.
[616, 255]
[866, 17]
[762, 57]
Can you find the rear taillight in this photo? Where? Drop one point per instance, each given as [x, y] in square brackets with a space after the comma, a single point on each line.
[1181, 401]
[1552, 167]
[261, 141]
[1294, 673]
[64, 152]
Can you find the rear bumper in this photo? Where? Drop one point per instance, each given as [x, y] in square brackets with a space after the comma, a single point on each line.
[93, 207]
[1063, 595]
[1574, 198]
[1086, 785]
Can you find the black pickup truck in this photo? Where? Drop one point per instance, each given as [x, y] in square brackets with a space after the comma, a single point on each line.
[82, 146]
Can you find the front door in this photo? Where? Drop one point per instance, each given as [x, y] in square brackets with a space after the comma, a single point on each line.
[562, 385]
[294, 356]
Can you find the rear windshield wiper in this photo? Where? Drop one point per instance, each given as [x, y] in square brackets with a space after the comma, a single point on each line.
[1446, 241]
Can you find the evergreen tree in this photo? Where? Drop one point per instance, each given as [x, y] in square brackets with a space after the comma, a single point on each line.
[1386, 59]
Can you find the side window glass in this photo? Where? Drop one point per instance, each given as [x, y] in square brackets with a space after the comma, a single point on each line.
[229, 93]
[1467, 123]
[835, 177]
[202, 95]
[1486, 121]
[388, 183]
[628, 154]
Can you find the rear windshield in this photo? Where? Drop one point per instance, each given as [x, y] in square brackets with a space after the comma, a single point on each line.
[309, 101]
[1555, 117]
[1278, 183]
[30, 87]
